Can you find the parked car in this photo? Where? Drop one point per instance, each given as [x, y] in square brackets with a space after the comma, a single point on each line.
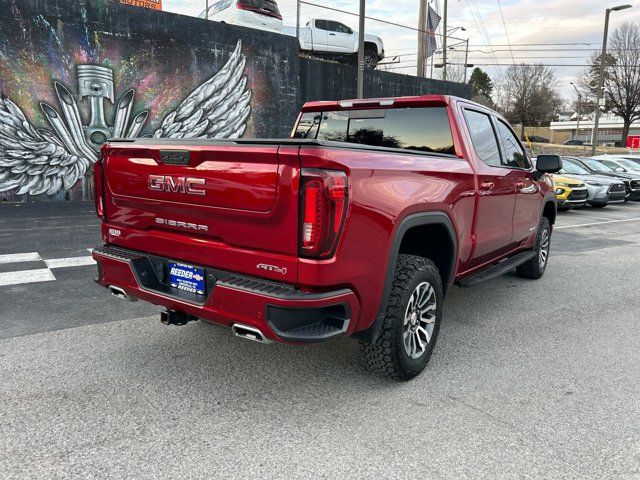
[257, 14]
[620, 164]
[358, 225]
[321, 37]
[631, 180]
[602, 190]
[574, 141]
[570, 193]
[536, 139]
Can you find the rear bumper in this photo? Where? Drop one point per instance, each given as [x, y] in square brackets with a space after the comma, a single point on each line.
[279, 311]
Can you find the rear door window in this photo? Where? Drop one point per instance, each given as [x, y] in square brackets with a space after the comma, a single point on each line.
[483, 137]
[514, 155]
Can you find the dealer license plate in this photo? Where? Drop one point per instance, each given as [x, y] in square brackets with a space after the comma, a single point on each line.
[187, 278]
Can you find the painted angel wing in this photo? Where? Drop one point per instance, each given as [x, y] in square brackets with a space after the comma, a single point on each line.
[219, 108]
[34, 161]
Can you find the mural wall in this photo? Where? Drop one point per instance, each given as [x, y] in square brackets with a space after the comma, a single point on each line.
[76, 72]
[68, 84]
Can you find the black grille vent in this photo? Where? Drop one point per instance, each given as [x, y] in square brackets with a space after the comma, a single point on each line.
[578, 195]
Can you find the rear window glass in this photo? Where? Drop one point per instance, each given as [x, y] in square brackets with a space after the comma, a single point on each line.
[422, 129]
[262, 5]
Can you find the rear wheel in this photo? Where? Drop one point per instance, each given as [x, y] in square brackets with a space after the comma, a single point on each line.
[536, 267]
[411, 323]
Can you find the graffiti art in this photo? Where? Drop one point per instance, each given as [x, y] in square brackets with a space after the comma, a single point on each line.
[38, 160]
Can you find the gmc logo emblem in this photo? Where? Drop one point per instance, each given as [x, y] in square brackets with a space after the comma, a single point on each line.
[165, 183]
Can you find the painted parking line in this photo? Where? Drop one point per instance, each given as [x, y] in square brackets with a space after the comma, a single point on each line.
[19, 257]
[26, 276]
[580, 225]
[70, 262]
[38, 275]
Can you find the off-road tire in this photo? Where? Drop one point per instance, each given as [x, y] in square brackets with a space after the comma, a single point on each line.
[388, 356]
[533, 269]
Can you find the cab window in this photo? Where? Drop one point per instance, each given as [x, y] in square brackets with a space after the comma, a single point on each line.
[422, 129]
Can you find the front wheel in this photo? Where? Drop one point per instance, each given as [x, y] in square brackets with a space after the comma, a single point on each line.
[411, 323]
[536, 267]
[370, 59]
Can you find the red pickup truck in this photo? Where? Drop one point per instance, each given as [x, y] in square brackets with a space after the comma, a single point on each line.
[358, 225]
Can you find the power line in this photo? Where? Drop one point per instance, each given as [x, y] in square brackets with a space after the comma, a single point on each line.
[500, 65]
[505, 30]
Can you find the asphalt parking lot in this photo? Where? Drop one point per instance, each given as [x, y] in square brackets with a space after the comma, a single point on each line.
[528, 380]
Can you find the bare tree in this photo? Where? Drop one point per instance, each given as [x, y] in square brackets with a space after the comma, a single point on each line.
[529, 95]
[622, 78]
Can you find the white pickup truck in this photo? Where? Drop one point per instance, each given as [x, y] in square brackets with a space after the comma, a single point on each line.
[331, 38]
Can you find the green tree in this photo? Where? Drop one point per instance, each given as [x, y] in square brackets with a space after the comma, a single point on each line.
[481, 83]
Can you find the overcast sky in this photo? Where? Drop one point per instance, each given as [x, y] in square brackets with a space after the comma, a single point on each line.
[576, 23]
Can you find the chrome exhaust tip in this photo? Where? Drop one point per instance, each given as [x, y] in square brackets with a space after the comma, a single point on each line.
[118, 292]
[249, 333]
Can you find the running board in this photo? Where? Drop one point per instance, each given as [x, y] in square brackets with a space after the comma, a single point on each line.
[498, 269]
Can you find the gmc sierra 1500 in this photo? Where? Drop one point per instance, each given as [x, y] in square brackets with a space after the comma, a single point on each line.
[358, 225]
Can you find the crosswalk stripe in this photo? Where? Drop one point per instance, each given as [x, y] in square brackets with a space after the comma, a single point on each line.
[26, 276]
[69, 262]
[19, 257]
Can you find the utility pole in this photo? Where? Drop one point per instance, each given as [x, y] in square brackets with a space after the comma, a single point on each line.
[444, 43]
[578, 109]
[422, 39]
[599, 93]
[206, 9]
[466, 60]
[361, 50]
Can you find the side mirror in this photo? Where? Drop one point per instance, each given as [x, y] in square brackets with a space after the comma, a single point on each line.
[549, 163]
[620, 169]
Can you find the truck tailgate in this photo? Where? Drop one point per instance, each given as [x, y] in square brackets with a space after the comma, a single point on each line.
[229, 206]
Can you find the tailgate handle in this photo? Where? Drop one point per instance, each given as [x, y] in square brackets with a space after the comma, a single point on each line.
[175, 157]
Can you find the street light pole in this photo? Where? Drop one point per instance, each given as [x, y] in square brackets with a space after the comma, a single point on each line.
[600, 91]
[361, 51]
[444, 43]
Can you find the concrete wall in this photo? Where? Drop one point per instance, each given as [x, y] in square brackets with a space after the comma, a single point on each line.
[157, 74]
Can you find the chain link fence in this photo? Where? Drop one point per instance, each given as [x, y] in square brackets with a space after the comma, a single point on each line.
[328, 31]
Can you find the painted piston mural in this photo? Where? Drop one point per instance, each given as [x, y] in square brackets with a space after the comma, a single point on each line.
[63, 96]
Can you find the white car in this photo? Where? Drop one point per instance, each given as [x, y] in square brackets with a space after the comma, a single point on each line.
[322, 36]
[257, 14]
[620, 163]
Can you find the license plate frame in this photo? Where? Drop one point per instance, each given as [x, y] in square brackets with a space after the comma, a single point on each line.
[187, 278]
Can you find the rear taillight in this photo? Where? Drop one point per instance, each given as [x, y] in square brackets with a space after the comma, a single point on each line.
[324, 202]
[98, 189]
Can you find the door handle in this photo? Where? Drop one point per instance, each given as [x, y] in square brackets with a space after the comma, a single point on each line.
[332, 34]
[487, 185]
